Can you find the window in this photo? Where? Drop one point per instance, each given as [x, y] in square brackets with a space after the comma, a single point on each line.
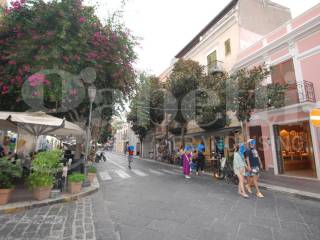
[227, 47]
[212, 59]
[284, 73]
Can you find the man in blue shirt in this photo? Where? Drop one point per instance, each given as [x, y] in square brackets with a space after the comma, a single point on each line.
[254, 166]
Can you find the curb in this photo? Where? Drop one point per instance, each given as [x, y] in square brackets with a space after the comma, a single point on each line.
[64, 198]
[294, 192]
[297, 193]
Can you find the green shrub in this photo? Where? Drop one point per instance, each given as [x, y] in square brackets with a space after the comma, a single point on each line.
[8, 171]
[76, 177]
[92, 169]
[43, 168]
[47, 162]
[36, 180]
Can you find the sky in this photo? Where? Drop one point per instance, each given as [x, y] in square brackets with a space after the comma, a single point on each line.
[166, 26]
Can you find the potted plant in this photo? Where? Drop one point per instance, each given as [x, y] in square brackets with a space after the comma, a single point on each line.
[43, 169]
[92, 172]
[40, 185]
[75, 182]
[8, 171]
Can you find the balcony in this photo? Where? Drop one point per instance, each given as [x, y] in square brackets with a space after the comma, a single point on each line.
[306, 92]
[214, 67]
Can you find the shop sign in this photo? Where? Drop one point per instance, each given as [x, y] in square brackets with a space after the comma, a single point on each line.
[315, 117]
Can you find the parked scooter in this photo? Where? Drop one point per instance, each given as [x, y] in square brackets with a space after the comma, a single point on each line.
[223, 169]
[100, 157]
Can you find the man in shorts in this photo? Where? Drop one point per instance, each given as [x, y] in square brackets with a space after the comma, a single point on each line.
[254, 166]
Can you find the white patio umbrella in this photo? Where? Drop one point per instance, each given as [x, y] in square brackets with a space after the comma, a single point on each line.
[38, 123]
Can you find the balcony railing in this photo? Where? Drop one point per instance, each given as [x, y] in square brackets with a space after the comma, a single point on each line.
[306, 92]
[214, 67]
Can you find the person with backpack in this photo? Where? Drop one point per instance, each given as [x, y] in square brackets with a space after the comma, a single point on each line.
[200, 158]
[130, 155]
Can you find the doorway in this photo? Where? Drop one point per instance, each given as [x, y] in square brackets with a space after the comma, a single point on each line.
[295, 150]
[256, 133]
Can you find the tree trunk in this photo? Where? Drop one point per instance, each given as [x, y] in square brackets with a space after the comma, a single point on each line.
[154, 145]
[244, 128]
[183, 129]
[79, 147]
[141, 153]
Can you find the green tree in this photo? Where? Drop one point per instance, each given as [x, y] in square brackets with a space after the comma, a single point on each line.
[246, 93]
[147, 106]
[183, 82]
[64, 36]
[212, 102]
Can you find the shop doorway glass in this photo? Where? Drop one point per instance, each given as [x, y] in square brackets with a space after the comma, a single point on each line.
[295, 151]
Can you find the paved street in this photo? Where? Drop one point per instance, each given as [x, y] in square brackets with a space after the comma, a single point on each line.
[154, 202]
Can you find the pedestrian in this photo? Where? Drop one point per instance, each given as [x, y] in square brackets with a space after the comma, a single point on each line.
[193, 164]
[254, 166]
[186, 158]
[200, 162]
[201, 147]
[130, 155]
[239, 168]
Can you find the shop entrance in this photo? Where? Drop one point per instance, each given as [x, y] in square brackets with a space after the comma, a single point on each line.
[294, 150]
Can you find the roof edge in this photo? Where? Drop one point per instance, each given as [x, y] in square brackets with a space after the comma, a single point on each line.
[196, 40]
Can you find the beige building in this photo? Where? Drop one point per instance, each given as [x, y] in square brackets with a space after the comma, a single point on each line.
[125, 137]
[240, 24]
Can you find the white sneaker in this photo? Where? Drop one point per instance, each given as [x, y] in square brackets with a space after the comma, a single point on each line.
[186, 176]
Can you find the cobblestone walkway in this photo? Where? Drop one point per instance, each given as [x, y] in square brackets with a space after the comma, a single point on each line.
[68, 221]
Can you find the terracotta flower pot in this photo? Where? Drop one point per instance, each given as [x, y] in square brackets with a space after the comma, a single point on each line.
[41, 193]
[5, 195]
[74, 187]
[91, 177]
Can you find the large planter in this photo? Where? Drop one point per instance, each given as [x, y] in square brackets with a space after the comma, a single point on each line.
[41, 193]
[74, 187]
[5, 195]
[91, 177]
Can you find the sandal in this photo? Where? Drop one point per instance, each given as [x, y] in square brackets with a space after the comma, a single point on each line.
[260, 195]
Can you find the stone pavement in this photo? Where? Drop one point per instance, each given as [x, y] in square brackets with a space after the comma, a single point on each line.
[154, 202]
[64, 221]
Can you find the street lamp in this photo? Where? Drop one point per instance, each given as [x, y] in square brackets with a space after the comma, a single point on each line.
[92, 91]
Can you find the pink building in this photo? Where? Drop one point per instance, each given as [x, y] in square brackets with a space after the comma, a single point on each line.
[289, 141]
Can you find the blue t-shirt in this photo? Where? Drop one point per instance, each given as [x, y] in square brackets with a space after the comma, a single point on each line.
[201, 148]
[252, 154]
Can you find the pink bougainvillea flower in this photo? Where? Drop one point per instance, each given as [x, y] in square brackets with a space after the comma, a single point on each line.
[82, 20]
[26, 68]
[77, 58]
[12, 81]
[37, 79]
[97, 34]
[5, 89]
[19, 79]
[12, 62]
[73, 92]
[20, 71]
[66, 59]
[46, 82]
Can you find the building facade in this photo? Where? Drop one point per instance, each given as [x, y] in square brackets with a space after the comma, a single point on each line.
[217, 46]
[289, 142]
[125, 137]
